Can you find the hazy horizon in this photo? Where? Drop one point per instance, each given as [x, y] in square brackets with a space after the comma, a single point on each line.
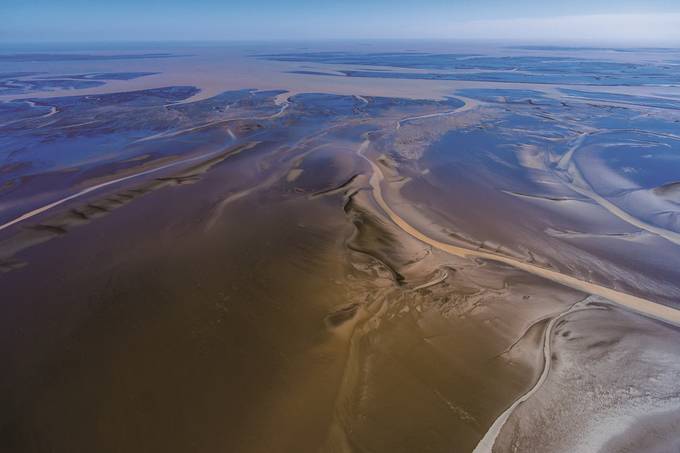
[631, 21]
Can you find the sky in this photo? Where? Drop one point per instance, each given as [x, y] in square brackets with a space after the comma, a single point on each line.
[635, 21]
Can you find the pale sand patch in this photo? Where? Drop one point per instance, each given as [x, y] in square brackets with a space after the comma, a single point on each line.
[294, 174]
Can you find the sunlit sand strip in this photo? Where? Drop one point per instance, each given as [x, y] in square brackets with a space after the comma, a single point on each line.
[278, 114]
[469, 105]
[61, 201]
[53, 111]
[443, 275]
[637, 304]
[564, 161]
[219, 209]
[486, 444]
[282, 98]
[181, 131]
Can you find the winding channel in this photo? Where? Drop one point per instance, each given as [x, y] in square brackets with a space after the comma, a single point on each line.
[578, 183]
[637, 304]
[634, 303]
[486, 444]
[469, 104]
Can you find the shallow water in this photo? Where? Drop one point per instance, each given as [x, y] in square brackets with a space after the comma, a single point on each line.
[195, 255]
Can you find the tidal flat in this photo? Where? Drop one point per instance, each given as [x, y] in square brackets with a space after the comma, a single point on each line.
[347, 247]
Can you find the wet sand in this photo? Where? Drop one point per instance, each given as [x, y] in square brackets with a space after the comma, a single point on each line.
[193, 298]
[643, 306]
[304, 271]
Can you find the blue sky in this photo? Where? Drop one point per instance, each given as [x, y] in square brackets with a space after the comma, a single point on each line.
[83, 20]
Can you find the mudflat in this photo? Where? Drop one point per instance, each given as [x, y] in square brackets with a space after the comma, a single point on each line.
[465, 249]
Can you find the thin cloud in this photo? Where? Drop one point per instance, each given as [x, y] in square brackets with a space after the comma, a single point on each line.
[598, 27]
